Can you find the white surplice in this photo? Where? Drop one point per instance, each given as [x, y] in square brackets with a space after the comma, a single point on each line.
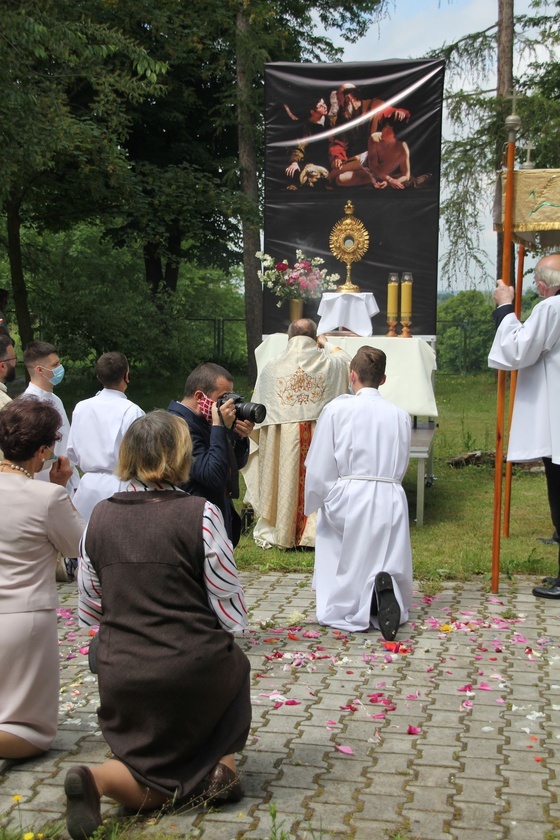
[532, 348]
[61, 446]
[98, 427]
[356, 462]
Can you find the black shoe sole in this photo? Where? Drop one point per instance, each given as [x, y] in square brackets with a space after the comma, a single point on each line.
[81, 823]
[388, 610]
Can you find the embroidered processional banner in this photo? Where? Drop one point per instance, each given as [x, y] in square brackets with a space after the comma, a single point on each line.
[371, 133]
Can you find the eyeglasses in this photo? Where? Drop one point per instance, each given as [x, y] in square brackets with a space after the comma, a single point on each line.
[13, 359]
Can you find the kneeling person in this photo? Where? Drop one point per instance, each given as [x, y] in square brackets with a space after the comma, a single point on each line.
[357, 460]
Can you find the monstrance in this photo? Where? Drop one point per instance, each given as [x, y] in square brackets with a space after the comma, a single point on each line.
[349, 240]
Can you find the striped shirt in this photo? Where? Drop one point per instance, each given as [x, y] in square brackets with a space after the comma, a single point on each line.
[225, 593]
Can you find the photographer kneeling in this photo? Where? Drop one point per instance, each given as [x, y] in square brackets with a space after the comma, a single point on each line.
[220, 440]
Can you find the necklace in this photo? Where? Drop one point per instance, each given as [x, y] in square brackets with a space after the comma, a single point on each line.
[17, 467]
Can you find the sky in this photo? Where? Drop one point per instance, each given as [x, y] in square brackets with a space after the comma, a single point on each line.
[416, 26]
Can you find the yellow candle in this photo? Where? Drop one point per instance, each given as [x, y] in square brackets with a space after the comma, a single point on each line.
[406, 301]
[392, 300]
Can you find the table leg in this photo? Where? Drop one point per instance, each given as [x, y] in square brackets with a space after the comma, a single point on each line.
[420, 484]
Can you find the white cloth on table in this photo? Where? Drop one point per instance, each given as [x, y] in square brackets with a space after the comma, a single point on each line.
[295, 386]
[532, 348]
[352, 310]
[98, 427]
[358, 457]
[225, 593]
[61, 446]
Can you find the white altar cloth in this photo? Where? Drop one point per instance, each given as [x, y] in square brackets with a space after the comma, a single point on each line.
[352, 310]
[410, 365]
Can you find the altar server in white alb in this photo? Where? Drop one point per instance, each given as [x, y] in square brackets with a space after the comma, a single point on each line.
[355, 466]
[98, 426]
[533, 348]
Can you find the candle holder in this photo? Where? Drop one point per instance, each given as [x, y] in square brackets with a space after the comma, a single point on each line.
[406, 304]
[392, 303]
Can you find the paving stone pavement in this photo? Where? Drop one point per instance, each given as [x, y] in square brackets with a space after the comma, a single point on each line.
[451, 732]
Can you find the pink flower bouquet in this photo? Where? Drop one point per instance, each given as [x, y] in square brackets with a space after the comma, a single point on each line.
[304, 281]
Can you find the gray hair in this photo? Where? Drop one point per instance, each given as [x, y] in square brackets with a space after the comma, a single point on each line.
[549, 276]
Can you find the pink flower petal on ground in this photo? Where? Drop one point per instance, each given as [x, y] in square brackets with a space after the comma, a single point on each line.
[467, 687]
[293, 703]
[278, 704]
[500, 700]
[332, 723]
[84, 650]
[345, 750]
[413, 730]
[467, 704]
[484, 687]
[311, 634]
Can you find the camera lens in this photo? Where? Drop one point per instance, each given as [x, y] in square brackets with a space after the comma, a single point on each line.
[255, 412]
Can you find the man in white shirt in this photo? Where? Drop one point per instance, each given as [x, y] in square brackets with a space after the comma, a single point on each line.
[98, 427]
[46, 372]
[533, 348]
[8, 361]
[357, 460]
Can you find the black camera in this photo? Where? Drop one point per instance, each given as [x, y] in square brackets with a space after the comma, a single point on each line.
[255, 412]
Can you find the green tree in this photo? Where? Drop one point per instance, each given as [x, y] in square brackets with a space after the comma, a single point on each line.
[465, 330]
[63, 83]
[91, 297]
[477, 113]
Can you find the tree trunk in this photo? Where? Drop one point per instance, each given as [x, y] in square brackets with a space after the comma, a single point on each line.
[504, 88]
[250, 190]
[173, 261]
[19, 289]
[152, 267]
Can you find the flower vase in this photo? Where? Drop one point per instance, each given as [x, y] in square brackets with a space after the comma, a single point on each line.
[296, 309]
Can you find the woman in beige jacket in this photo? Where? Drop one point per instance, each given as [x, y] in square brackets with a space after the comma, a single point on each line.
[38, 521]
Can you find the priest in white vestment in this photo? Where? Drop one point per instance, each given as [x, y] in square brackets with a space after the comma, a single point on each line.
[355, 466]
[295, 386]
[98, 427]
[533, 348]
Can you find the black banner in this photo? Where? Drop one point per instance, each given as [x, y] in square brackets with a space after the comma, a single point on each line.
[369, 132]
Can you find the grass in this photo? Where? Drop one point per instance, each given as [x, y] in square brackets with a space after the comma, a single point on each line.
[455, 542]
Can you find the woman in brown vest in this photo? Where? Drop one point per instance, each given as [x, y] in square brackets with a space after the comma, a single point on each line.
[158, 569]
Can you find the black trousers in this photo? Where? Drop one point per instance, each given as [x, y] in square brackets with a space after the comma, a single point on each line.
[552, 472]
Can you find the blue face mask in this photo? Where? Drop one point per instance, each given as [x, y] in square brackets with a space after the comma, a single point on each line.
[57, 375]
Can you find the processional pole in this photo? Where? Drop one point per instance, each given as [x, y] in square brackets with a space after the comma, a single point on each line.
[512, 388]
[512, 126]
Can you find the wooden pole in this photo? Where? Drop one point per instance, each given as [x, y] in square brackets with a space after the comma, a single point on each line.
[512, 125]
[512, 387]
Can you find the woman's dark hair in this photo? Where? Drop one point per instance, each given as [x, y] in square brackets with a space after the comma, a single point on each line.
[26, 424]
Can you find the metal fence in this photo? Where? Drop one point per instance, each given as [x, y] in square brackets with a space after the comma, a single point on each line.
[461, 345]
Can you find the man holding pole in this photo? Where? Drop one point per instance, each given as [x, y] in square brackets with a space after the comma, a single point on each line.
[533, 348]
